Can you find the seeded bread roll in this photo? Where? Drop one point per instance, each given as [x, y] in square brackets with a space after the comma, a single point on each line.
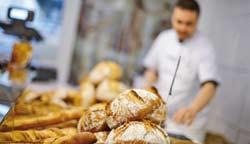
[94, 119]
[105, 70]
[109, 90]
[136, 132]
[131, 105]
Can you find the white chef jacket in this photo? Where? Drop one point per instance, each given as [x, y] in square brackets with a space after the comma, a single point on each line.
[198, 65]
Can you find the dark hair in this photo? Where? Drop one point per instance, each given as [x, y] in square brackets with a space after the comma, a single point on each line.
[189, 5]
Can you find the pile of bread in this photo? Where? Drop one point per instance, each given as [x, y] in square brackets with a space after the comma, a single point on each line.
[102, 110]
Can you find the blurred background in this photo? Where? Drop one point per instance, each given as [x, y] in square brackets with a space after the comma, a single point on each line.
[77, 34]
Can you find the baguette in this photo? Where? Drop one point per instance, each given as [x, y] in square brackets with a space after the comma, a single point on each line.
[79, 138]
[24, 122]
[35, 135]
[67, 124]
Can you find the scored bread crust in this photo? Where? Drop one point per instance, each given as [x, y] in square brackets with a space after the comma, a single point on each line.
[159, 115]
[94, 119]
[131, 105]
[138, 132]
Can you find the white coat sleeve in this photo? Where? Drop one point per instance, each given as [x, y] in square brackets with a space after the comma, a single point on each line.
[152, 58]
[208, 68]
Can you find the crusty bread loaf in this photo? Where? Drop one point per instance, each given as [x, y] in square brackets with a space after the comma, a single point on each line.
[105, 70]
[94, 119]
[137, 132]
[34, 135]
[159, 115]
[130, 105]
[108, 90]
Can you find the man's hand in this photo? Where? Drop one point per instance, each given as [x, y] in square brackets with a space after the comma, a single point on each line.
[204, 96]
[185, 116]
[150, 78]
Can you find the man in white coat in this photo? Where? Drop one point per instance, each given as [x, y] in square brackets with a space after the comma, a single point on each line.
[196, 78]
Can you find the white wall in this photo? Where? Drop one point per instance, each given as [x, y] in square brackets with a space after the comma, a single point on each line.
[227, 24]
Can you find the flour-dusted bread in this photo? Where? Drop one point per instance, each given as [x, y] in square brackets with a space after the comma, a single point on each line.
[135, 132]
[94, 119]
[105, 70]
[108, 90]
[159, 115]
[131, 105]
[87, 93]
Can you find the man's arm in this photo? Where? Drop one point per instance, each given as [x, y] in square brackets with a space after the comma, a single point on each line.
[204, 96]
[150, 77]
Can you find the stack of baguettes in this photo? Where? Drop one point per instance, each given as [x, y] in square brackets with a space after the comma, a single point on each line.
[102, 110]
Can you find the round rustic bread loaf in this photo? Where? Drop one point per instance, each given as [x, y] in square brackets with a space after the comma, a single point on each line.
[105, 70]
[94, 120]
[137, 132]
[134, 104]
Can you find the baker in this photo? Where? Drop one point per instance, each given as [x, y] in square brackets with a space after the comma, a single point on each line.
[197, 77]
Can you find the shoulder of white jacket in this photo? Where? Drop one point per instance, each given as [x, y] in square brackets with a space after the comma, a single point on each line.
[166, 33]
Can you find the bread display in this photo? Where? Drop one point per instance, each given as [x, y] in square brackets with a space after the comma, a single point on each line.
[108, 90]
[144, 132]
[102, 110]
[94, 119]
[132, 104]
[105, 70]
